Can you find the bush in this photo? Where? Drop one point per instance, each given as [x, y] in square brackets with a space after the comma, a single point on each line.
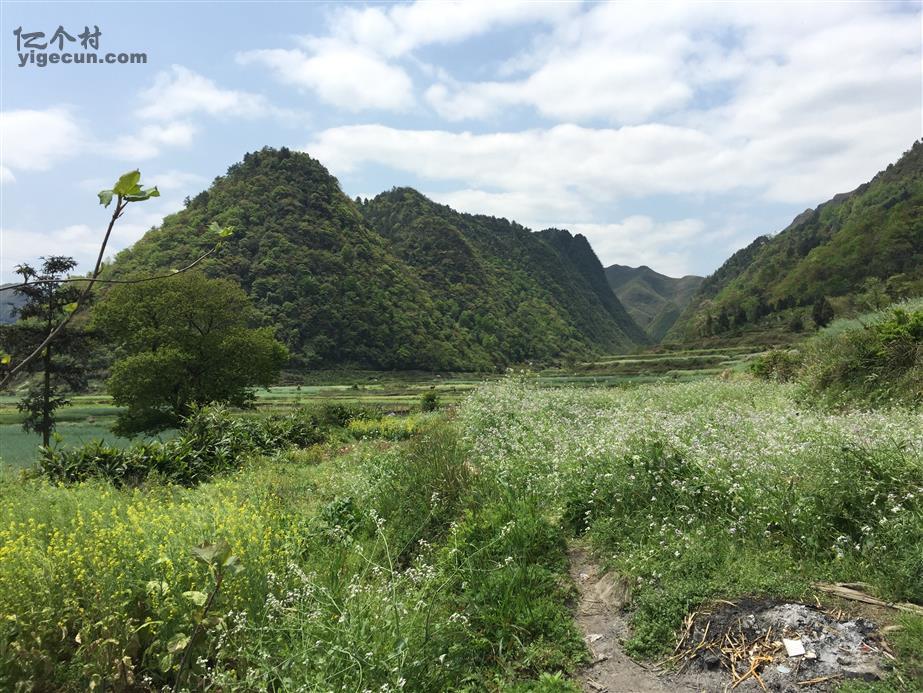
[389, 427]
[339, 414]
[212, 441]
[429, 401]
[779, 365]
[873, 362]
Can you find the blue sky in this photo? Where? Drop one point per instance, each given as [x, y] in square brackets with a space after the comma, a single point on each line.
[669, 134]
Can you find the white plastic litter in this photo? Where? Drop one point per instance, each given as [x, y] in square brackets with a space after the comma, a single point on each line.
[794, 648]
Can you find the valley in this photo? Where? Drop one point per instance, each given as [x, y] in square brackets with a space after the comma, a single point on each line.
[380, 444]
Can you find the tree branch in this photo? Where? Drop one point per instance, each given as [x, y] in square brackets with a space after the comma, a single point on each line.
[137, 280]
[116, 213]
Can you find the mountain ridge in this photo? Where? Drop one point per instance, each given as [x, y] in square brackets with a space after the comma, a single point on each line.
[384, 285]
[871, 233]
[653, 300]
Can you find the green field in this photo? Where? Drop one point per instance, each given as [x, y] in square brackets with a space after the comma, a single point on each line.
[91, 416]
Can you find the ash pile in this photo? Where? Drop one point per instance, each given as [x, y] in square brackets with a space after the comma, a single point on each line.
[777, 646]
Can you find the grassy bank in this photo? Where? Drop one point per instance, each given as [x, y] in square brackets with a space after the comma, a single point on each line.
[365, 565]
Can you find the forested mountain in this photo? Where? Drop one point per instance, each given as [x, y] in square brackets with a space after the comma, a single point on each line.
[536, 287]
[653, 300]
[10, 302]
[858, 244]
[395, 282]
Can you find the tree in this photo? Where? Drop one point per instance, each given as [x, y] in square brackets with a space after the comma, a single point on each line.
[740, 317]
[822, 313]
[183, 342]
[62, 365]
[874, 296]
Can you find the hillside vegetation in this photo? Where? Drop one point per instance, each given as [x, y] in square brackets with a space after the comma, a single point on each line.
[397, 282]
[653, 300]
[868, 241]
[875, 359]
[10, 303]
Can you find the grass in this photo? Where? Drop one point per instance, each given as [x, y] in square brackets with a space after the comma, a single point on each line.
[384, 567]
[429, 552]
[714, 489]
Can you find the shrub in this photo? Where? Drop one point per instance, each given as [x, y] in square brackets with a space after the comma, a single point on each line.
[339, 414]
[212, 441]
[779, 365]
[389, 427]
[429, 401]
[870, 363]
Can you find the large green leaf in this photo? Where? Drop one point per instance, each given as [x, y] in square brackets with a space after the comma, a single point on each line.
[139, 195]
[127, 183]
[177, 643]
[196, 597]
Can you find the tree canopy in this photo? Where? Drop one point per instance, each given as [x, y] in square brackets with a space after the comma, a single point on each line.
[62, 365]
[180, 342]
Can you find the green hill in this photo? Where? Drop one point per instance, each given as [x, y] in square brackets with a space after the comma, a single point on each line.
[538, 286]
[653, 300]
[855, 245]
[10, 302]
[396, 282]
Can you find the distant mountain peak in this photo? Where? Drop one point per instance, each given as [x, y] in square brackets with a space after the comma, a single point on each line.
[653, 300]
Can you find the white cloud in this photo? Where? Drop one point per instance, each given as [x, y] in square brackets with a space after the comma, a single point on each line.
[180, 92]
[566, 160]
[36, 140]
[342, 74]
[150, 139]
[742, 69]
[81, 241]
[515, 206]
[669, 247]
[399, 29]
[789, 106]
[355, 67]
[171, 180]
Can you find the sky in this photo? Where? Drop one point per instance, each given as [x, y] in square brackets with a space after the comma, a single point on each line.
[668, 134]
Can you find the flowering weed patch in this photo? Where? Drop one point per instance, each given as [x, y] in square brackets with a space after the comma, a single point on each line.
[714, 488]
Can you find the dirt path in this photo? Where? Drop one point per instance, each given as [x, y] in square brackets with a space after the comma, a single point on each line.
[599, 618]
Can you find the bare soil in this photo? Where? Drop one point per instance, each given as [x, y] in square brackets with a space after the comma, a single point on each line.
[600, 617]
